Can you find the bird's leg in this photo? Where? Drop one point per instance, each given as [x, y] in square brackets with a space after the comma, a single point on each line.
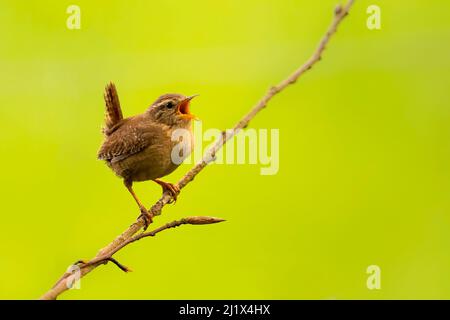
[170, 187]
[144, 212]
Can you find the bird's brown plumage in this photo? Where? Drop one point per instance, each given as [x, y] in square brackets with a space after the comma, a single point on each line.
[113, 112]
[139, 148]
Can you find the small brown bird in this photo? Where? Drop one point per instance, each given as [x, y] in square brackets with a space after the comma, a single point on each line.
[139, 148]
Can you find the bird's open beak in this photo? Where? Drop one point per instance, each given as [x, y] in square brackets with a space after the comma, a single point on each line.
[183, 107]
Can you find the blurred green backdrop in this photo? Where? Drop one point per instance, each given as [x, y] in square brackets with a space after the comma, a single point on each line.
[364, 149]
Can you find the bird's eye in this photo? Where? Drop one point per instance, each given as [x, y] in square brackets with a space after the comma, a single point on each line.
[169, 105]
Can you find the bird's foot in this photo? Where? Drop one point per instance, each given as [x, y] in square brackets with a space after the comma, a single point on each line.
[173, 189]
[146, 216]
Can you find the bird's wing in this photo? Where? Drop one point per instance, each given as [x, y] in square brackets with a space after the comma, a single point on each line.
[127, 140]
[113, 112]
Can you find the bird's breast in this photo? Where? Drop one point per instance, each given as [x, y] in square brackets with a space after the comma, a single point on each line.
[161, 157]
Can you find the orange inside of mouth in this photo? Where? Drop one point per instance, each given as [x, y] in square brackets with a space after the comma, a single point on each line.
[184, 107]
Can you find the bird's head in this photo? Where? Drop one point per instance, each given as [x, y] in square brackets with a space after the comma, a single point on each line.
[172, 109]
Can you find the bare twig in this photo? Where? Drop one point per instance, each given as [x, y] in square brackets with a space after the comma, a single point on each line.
[128, 236]
[189, 220]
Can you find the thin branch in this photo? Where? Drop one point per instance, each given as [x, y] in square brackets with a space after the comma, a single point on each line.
[118, 264]
[81, 264]
[196, 220]
[128, 235]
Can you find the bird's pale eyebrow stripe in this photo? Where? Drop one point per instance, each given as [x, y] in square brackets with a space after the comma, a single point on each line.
[166, 101]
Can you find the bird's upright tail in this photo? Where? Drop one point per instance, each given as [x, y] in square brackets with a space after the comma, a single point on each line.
[113, 112]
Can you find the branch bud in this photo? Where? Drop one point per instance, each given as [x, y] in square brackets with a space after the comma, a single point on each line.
[202, 220]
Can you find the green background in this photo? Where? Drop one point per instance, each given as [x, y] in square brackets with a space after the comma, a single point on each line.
[364, 149]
